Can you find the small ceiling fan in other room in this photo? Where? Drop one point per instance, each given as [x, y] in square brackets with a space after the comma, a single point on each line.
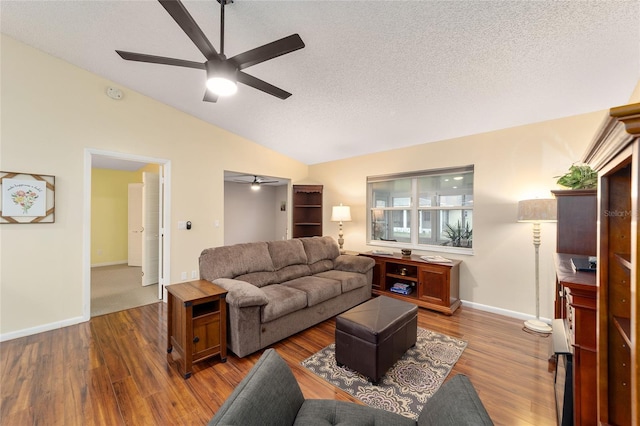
[222, 74]
[257, 181]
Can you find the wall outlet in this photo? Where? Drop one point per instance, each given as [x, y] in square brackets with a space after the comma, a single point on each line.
[194, 274]
[183, 276]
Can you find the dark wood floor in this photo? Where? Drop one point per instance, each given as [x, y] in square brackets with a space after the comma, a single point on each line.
[113, 370]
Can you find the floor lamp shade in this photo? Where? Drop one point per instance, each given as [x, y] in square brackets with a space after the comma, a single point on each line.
[341, 214]
[536, 211]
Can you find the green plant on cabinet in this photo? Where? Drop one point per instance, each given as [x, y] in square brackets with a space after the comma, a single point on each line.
[579, 176]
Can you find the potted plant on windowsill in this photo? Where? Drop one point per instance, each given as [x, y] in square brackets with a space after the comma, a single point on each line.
[458, 236]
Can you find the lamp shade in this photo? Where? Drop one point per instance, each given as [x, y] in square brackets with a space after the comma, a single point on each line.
[538, 210]
[341, 214]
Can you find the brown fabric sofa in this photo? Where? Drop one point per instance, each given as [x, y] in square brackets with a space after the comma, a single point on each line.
[279, 288]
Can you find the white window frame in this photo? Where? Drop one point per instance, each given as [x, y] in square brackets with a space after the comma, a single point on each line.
[412, 211]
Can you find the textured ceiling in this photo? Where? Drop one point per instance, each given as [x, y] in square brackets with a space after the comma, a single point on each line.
[374, 75]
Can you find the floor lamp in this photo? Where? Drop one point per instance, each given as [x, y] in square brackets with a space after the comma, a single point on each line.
[341, 214]
[537, 211]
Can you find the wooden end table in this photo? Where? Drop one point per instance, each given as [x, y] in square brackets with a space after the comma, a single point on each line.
[196, 323]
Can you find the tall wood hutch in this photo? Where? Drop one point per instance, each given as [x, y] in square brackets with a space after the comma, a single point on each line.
[615, 154]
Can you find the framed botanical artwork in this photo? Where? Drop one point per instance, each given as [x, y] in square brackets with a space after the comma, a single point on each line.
[27, 198]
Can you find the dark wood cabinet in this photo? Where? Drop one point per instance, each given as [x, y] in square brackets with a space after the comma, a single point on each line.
[615, 154]
[196, 323]
[433, 286]
[307, 211]
[577, 221]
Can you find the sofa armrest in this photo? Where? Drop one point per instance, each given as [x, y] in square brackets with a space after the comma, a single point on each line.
[241, 294]
[350, 263]
[456, 403]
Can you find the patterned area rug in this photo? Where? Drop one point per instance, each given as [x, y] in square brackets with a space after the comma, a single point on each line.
[407, 385]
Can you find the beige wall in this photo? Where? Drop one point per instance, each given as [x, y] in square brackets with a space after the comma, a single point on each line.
[510, 165]
[48, 121]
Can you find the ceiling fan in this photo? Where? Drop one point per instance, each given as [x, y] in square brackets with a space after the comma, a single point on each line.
[222, 72]
[257, 181]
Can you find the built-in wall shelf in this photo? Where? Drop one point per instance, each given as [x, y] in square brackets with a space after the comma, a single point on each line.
[307, 211]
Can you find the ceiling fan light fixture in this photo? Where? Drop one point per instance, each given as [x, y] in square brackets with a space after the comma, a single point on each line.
[255, 186]
[222, 86]
[221, 78]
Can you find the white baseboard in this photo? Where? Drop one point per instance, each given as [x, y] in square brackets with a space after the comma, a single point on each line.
[505, 312]
[40, 329]
[120, 262]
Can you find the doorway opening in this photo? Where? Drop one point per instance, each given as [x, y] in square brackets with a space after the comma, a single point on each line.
[255, 208]
[125, 261]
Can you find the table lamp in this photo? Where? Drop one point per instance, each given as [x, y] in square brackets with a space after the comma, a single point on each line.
[341, 214]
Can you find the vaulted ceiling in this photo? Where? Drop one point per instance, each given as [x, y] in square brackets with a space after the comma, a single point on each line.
[374, 75]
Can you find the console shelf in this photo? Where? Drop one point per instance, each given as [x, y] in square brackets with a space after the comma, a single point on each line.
[433, 286]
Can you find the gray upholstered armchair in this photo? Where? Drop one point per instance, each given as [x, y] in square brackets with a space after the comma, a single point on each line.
[270, 395]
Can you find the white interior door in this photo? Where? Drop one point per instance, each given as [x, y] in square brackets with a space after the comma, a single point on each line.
[151, 226]
[134, 236]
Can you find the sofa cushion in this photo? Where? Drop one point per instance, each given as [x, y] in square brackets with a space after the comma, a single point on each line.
[268, 395]
[292, 272]
[318, 289]
[282, 301]
[235, 260]
[321, 266]
[325, 412]
[349, 280]
[320, 248]
[259, 279]
[287, 252]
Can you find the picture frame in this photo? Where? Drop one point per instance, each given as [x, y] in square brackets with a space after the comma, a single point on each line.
[27, 198]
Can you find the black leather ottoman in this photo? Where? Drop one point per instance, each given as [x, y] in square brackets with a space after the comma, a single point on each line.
[371, 337]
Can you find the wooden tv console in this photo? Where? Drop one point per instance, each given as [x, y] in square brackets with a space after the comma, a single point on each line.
[434, 286]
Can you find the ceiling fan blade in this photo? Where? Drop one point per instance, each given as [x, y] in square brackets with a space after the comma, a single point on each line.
[182, 17]
[141, 57]
[209, 97]
[256, 83]
[268, 51]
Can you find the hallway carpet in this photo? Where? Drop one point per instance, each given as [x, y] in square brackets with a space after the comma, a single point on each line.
[118, 287]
